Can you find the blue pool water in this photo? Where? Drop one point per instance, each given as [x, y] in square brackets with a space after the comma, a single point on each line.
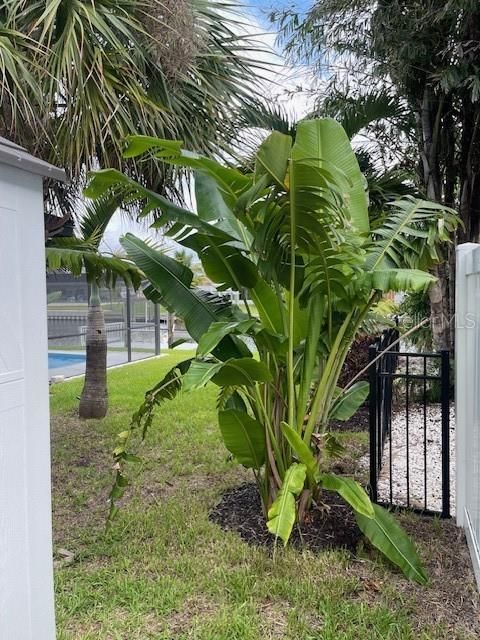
[56, 360]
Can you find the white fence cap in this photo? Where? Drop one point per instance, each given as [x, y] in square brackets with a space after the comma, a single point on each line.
[15, 156]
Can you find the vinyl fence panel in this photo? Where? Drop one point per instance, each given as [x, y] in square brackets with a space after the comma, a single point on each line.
[467, 401]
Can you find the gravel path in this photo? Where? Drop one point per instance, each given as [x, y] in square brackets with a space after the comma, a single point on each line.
[416, 458]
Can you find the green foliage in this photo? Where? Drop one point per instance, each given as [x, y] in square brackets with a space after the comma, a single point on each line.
[384, 532]
[356, 114]
[414, 308]
[81, 254]
[425, 58]
[243, 437]
[79, 76]
[165, 554]
[300, 222]
[282, 513]
[349, 401]
[351, 492]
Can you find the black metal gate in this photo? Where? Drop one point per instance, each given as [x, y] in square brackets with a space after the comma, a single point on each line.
[409, 461]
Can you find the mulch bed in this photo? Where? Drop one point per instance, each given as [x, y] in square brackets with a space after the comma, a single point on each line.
[333, 526]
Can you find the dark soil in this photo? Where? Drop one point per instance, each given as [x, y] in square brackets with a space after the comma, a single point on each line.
[332, 526]
[358, 422]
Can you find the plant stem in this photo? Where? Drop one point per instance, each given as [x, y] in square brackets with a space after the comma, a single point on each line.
[269, 430]
[291, 304]
[329, 365]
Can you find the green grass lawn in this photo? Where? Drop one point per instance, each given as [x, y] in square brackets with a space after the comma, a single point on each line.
[165, 571]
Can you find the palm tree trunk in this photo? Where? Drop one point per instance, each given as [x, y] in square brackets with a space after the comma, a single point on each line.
[94, 398]
[430, 117]
[439, 305]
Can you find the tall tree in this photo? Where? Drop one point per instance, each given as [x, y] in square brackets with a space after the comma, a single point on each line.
[78, 76]
[428, 53]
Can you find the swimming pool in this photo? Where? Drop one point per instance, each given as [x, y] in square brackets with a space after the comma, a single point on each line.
[57, 360]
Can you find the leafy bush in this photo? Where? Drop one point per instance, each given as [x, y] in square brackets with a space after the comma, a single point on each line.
[414, 308]
[294, 236]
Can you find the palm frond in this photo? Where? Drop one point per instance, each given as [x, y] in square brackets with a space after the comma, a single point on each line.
[96, 218]
[77, 257]
[411, 235]
[357, 112]
[87, 74]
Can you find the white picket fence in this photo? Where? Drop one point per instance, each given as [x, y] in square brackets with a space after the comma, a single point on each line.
[467, 400]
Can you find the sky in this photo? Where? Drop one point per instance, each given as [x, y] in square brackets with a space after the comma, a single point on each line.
[284, 85]
[263, 7]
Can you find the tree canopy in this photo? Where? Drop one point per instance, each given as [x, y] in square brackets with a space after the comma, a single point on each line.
[78, 76]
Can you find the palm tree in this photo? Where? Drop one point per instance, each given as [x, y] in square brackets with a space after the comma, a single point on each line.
[78, 77]
[79, 255]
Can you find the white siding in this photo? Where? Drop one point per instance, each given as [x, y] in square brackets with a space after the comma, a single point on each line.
[26, 575]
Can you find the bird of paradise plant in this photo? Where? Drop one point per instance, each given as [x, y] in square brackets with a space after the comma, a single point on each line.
[293, 238]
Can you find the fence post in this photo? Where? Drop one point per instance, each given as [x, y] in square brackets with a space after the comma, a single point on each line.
[464, 371]
[372, 408]
[445, 384]
[157, 329]
[129, 326]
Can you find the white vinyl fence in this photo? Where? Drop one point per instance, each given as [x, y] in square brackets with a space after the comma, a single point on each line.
[467, 401]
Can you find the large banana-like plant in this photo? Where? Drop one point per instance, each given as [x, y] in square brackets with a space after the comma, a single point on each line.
[293, 238]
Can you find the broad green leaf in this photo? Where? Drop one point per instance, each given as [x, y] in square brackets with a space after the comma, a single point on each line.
[272, 158]
[241, 372]
[223, 263]
[244, 437]
[172, 280]
[349, 402]
[303, 452]
[176, 218]
[268, 306]
[218, 330]
[211, 207]
[326, 141]
[230, 180]
[170, 151]
[350, 491]
[401, 280]
[387, 535]
[199, 374]
[282, 513]
[232, 373]
[138, 145]
[275, 343]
